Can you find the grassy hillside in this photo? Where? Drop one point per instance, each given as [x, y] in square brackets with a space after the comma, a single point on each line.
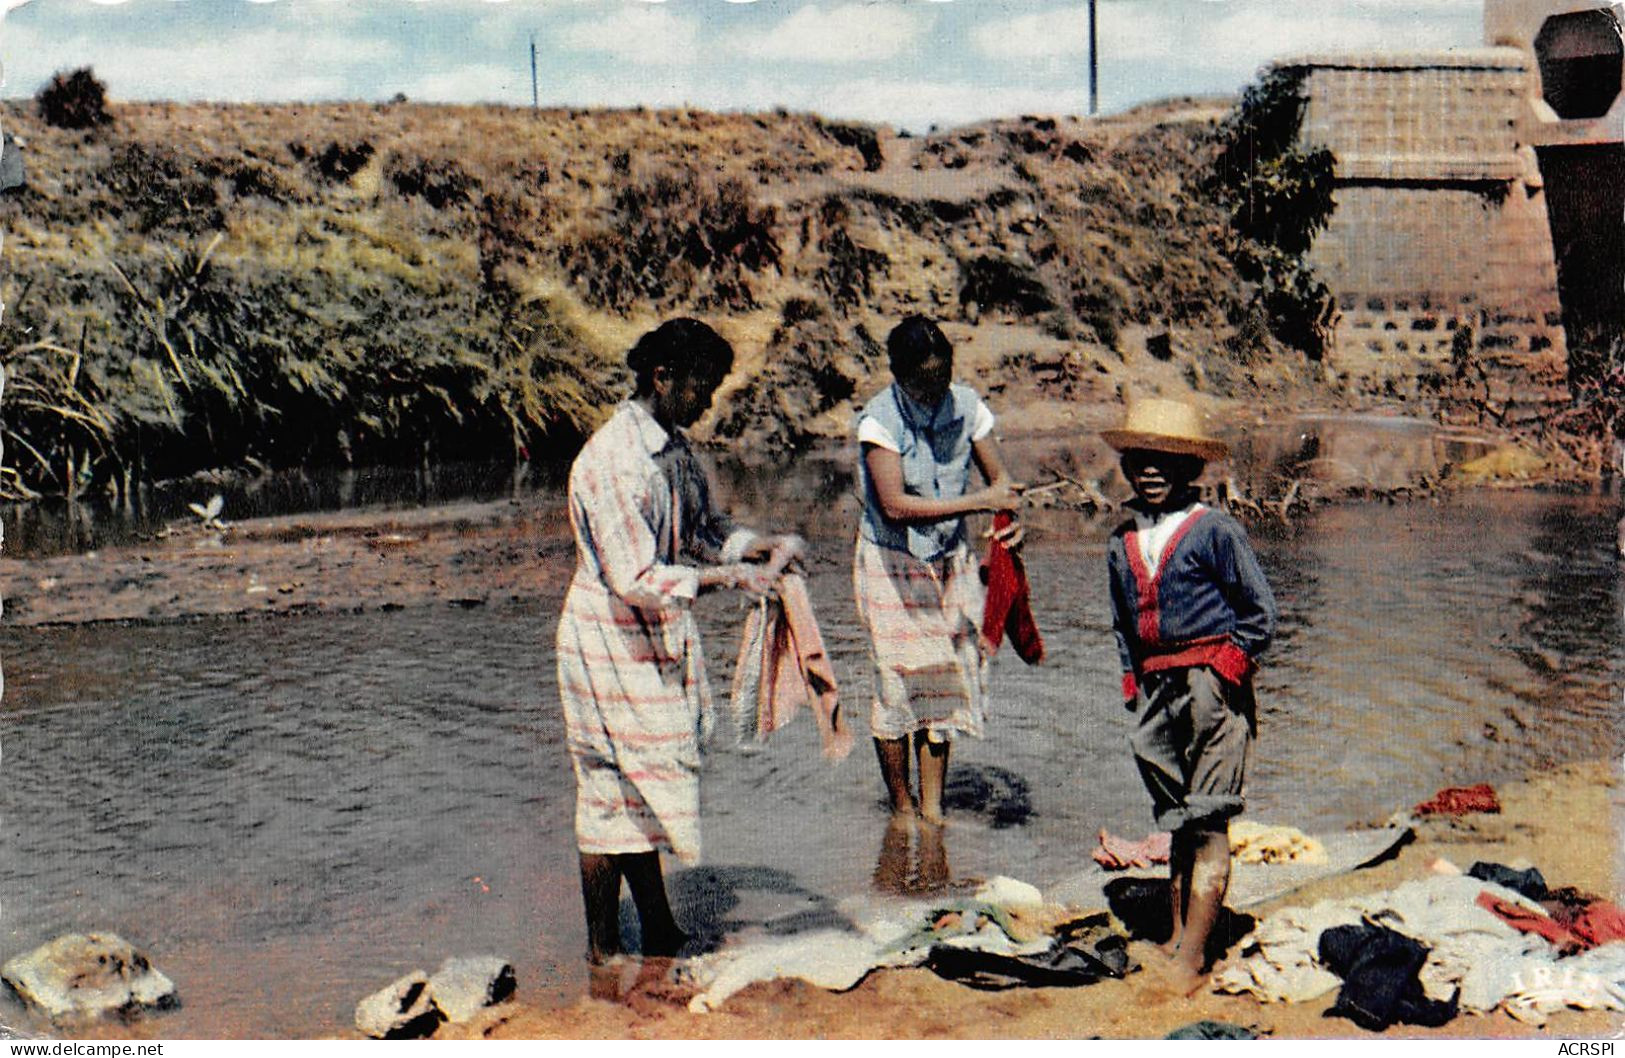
[203, 286]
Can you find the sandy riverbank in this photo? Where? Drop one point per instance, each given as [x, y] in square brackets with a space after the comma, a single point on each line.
[1564, 821]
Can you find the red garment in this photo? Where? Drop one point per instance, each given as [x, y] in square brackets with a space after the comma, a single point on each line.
[1599, 922]
[1524, 920]
[1115, 853]
[1459, 800]
[1009, 605]
[1592, 924]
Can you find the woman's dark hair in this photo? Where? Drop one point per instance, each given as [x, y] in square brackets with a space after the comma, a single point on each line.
[685, 347]
[913, 342]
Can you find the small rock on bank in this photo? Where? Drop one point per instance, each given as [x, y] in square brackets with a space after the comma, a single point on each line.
[403, 1010]
[415, 1006]
[464, 987]
[87, 975]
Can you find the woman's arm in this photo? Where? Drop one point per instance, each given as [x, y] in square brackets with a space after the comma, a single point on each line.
[898, 505]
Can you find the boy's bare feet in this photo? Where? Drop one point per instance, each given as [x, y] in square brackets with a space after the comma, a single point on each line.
[1169, 978]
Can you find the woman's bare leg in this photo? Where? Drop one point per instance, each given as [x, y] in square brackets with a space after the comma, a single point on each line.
[893, 755]
[601, 894]
[661, 937]
[933, 763]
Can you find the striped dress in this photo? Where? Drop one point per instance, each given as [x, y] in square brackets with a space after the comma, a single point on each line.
[631, 673]
[923, 615]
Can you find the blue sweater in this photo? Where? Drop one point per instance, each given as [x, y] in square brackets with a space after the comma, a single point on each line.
[1208, 604]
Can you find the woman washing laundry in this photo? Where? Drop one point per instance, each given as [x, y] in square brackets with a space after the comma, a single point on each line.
[914, 575]
[631, 673]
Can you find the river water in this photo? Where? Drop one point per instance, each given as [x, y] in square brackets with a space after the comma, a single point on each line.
[287, 814]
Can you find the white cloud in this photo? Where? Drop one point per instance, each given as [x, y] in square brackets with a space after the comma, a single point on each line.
[650, 36]
[480, 83]
[1241, 33]
[1041, 35]
[853, 32]
[261, 65]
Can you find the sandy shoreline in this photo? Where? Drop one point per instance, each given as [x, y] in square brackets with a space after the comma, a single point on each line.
[1563, 821]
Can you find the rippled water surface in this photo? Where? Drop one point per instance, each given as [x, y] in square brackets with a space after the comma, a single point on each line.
[287, 814]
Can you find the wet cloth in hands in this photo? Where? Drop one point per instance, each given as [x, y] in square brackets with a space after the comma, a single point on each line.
[1008, 607]
[1380, 984]
[1116, 854]
[1460, 800]
[783, 664]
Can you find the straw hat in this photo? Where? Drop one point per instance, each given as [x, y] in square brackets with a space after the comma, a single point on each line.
[1165, 426]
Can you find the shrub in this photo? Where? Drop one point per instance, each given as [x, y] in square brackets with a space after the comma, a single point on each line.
[1000, 283]
[860, 137]
[805, 376]
[440, 183]
[848, 271]
[675, 238]
[1279, 195]
[340, 161]
[75, 100]
[162, 188]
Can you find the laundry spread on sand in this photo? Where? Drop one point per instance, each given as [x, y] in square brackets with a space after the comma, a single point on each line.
[1571, 929]
[1460, 800]
[1252, 842]
[1529, 882]
[1475, 958]
[1003, 935]
[1115, 853]
[1381, 987]
[1251, 884]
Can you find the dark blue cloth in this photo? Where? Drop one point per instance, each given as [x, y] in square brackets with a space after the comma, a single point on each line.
[1380, 971]
[1530, 883]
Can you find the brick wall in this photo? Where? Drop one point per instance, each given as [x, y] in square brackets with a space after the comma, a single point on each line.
[1439, 251]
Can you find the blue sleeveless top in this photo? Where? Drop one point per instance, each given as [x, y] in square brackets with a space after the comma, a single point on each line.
[935, 447]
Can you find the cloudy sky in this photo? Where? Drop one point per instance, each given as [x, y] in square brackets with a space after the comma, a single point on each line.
[905, 62]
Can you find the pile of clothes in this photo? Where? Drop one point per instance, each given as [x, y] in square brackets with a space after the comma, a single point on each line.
[1491, 938]
[1002, 936]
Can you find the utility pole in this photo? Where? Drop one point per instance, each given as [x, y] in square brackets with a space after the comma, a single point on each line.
[535, 99]
[1094, 77]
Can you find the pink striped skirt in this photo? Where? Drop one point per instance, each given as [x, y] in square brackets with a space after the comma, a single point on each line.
[922, 619]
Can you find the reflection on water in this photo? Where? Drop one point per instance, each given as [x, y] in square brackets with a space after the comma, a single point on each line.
[289, 814]
[53, 526]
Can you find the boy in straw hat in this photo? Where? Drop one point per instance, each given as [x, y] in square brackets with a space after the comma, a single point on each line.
[1191, 612]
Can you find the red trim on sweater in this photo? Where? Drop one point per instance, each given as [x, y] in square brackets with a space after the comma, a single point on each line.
[1216, 652]
[1131, 687]
[1149, 618]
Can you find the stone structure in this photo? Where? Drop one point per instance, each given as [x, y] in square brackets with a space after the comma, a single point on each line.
[1468, 184]
[1573, 114]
